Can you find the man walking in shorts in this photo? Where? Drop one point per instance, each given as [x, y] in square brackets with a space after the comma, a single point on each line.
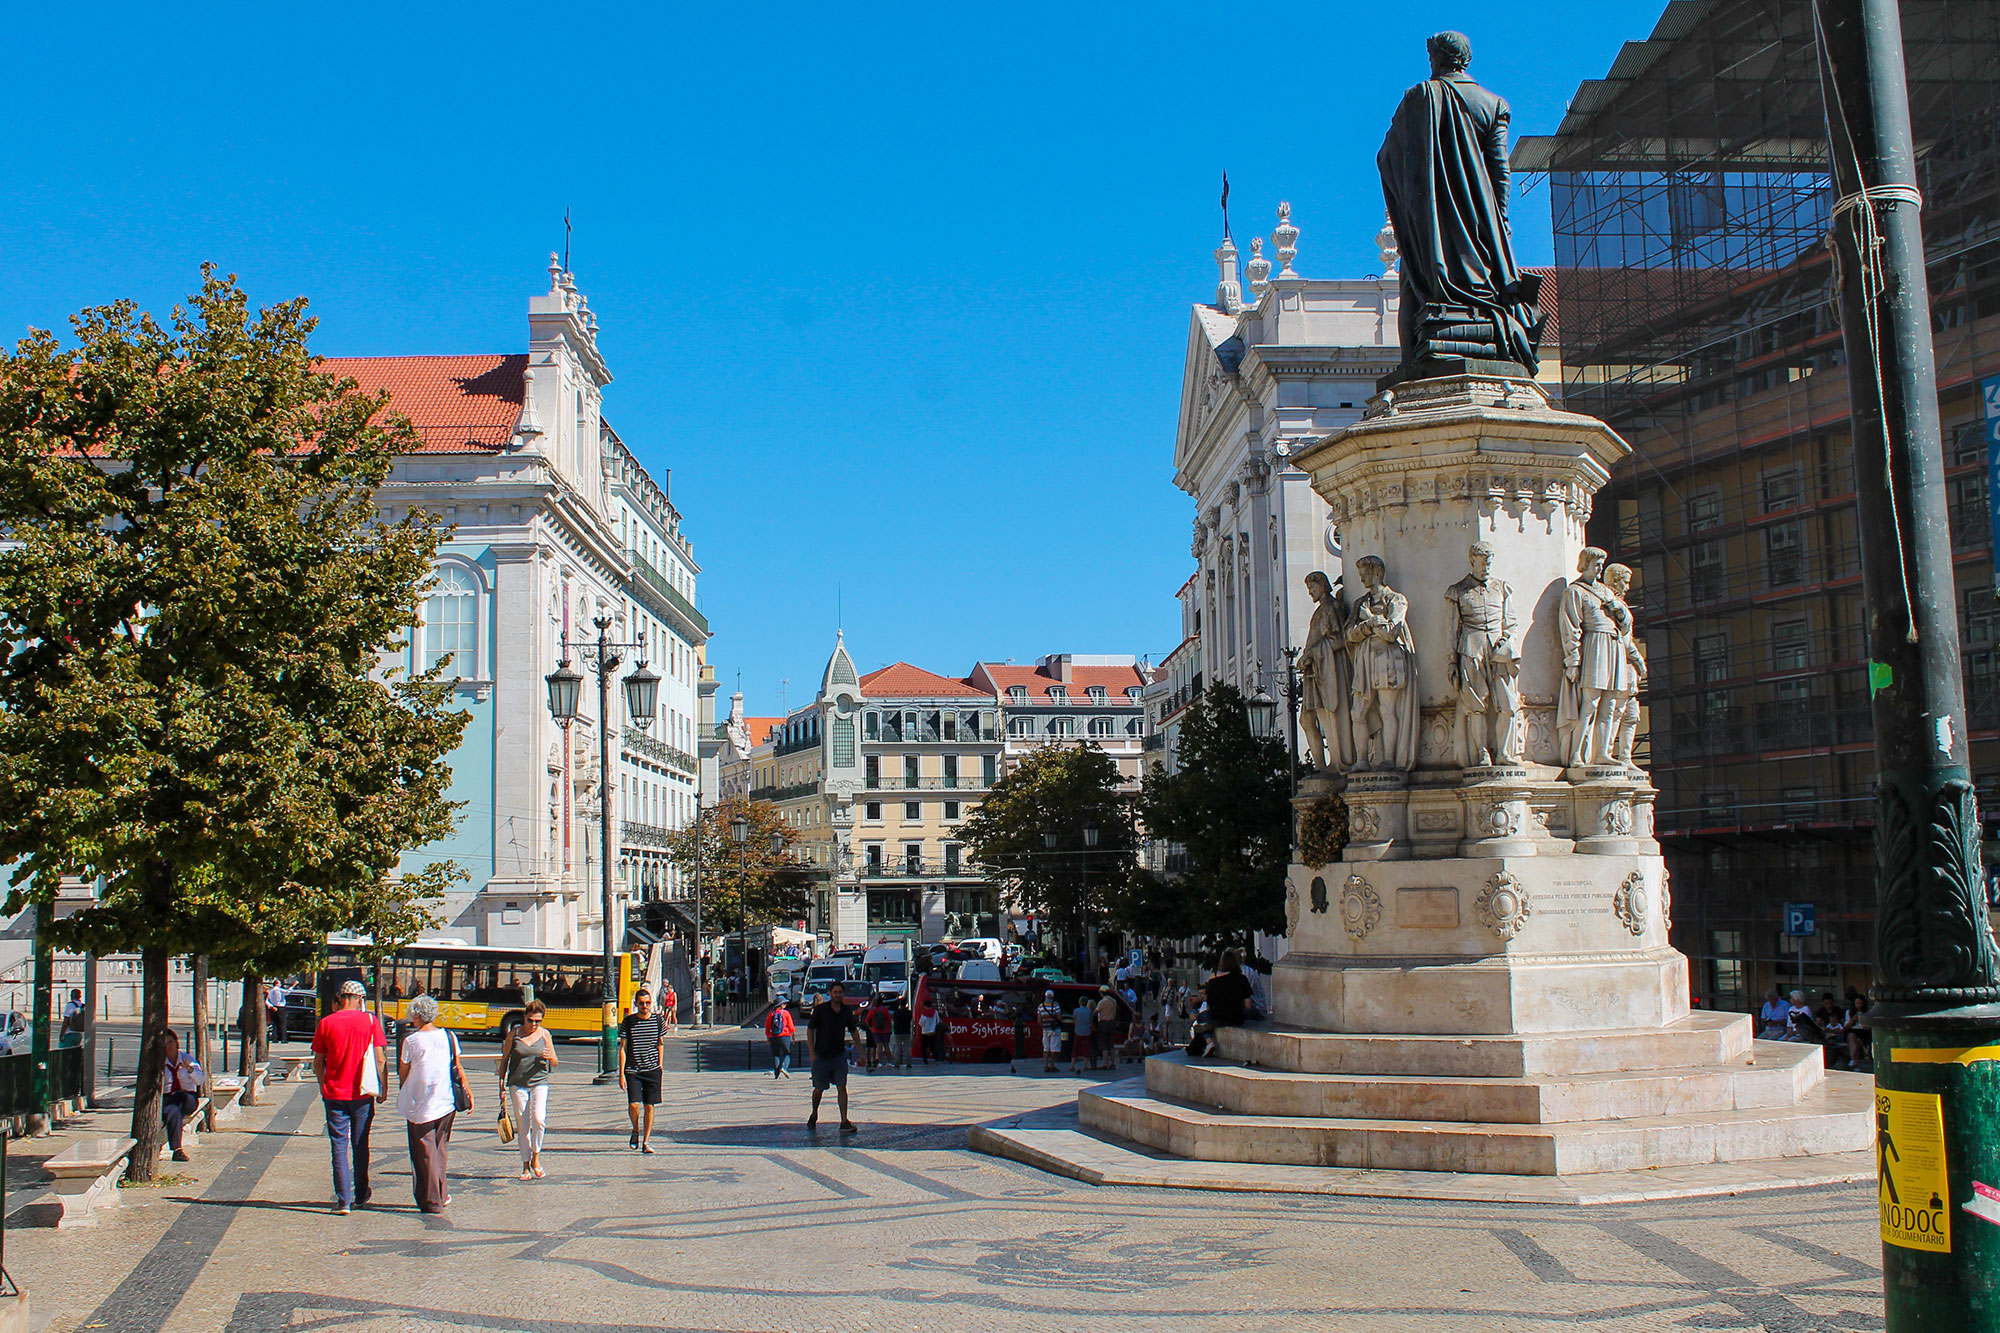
[642, 1041]
[829, 1032]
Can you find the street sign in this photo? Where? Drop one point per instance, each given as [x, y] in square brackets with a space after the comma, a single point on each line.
[1799, 918]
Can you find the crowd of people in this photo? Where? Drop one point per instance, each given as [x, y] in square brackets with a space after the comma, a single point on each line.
[1840, 1029]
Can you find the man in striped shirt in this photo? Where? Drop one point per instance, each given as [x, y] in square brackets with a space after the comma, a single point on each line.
[642, 1041]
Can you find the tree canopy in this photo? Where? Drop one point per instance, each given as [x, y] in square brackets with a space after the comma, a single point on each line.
[1228, 808]
[200, 592]
[753, 882]
[1060, 831]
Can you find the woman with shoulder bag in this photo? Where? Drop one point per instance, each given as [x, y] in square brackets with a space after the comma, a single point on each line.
[526, 1059]
[433, 1091]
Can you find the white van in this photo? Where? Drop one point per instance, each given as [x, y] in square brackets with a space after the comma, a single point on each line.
[983, 946]
[887, 966]
[821, 973]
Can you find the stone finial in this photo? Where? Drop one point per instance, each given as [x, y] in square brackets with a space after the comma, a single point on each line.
[1259, 268]
[555, 271]
[1286, 238]
[1229, 290]
[1385, 242]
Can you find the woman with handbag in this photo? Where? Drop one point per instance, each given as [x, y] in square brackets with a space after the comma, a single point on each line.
[526, 1059]
[433, 1091]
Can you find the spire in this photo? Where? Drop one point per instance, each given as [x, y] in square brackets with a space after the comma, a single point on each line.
[839, 668]
[1229, 291]
[1285, 237]
[1259, 267]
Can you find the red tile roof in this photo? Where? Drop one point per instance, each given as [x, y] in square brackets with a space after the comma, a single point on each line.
[760, 728]
[900, 680]
[459, 404]
[1115, 680]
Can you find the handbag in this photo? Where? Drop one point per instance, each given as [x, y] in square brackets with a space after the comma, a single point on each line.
[506, 1125]
[461, 1096]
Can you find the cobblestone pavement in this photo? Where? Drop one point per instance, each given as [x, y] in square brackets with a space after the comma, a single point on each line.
[745, 1221]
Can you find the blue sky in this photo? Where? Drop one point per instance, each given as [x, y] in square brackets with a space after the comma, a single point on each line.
[898, 293]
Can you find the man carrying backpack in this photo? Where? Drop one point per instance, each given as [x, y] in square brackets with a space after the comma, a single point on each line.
[881, 1027]
[778, 1030]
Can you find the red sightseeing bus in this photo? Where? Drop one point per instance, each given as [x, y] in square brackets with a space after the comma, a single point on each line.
[980, 1017]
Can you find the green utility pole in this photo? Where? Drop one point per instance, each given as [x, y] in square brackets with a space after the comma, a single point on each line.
[1936, 1020]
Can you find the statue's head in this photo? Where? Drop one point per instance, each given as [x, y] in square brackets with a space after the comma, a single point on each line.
[1480, 554]
[1450, 52]
[1590, 562]
[1319, 586]
[1618, 578]
[1372, 570]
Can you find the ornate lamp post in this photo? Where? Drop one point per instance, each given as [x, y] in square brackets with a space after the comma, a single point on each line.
[642, 698]
[739, 833]
[1293, 692]
[1263, 714]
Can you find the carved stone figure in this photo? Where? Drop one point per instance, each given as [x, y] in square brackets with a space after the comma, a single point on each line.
[1383, 674]
[1592, 624]
[1625, 731]
[1445, 179]
[1323, 680]
[1485, 665]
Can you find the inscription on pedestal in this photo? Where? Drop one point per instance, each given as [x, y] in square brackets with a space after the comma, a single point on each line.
[1427, 909]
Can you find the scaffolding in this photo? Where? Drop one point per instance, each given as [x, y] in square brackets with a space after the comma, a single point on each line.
[1691, 204]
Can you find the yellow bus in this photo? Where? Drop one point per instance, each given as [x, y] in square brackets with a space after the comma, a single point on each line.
[480, 989]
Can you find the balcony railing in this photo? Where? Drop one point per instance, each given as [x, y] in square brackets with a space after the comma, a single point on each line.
[921, 870]
[791, 793]
[643, 835]
[663, 586]
[899, 782]
[638, 742]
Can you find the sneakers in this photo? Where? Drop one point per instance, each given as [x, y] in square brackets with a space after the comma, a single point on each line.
[849, 1127]
[634, 1140]
[340, 1210]
[180, 1155]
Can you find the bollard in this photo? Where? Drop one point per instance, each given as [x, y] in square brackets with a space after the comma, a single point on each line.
[110, 1056]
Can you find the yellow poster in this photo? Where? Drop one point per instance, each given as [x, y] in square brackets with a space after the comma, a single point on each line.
[1909, 1144]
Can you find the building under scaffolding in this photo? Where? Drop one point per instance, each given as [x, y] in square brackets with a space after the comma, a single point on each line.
[1691, 201]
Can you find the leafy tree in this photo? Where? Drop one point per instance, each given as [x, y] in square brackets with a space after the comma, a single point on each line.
[1228, 806]
[198, 593]
[1069, 794]
[753, 883]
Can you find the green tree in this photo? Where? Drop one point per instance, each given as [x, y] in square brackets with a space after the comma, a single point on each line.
[199, 593]
[1060, 831]
[1228, 807]
[751, 884]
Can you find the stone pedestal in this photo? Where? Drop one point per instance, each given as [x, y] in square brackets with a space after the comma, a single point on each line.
[1483, 982]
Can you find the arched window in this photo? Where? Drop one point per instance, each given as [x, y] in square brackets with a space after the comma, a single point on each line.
[451, 623]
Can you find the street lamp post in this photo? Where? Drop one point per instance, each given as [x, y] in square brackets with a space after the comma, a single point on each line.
[700, 955]
[1292, 693]
[642, 695]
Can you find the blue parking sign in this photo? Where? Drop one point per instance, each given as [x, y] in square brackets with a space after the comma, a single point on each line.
[1799, 918]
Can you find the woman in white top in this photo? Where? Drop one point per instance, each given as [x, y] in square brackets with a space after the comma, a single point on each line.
[426, 1066]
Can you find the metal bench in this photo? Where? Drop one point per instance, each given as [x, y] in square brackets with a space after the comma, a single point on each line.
[86, 1175]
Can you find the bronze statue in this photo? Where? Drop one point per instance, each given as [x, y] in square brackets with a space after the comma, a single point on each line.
[1444, 175]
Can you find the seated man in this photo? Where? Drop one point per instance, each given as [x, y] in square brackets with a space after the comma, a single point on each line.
[181, 1094]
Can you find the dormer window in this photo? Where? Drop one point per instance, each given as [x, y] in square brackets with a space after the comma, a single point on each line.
[1058, 694]
[1096, 693]
[1017, 694]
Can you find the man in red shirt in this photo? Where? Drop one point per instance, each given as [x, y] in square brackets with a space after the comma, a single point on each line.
[351, 1064]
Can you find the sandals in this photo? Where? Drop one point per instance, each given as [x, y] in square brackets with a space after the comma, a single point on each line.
[537, 1169]
[525, 1175]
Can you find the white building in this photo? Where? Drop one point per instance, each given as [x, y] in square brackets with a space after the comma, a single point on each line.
[556, 523]
[1297, 362]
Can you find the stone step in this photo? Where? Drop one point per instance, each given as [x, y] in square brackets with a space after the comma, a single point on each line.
[1778, 1074]
[1837, 1117]
[1701, 1040]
